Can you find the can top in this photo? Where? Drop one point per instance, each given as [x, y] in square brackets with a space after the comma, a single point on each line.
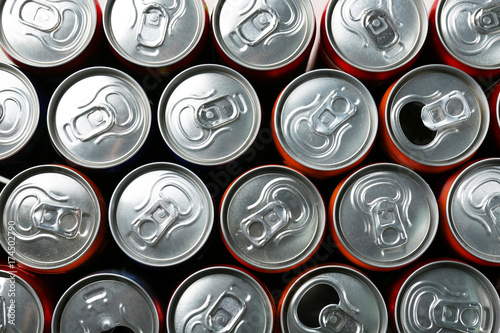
[376, 36]
[54, 215]
[447, 296]
[99, 117]
[103, 301]
[469, 30]
[385, 215]
[473, 209]
[29, 314]
[19, 111]
[154, 34]
[272, 218]
[161, 214]
[46, 33]
[209, 115]
[346, 300]
[220, 299]
[320, 110]
[437, 124]
[250, 33]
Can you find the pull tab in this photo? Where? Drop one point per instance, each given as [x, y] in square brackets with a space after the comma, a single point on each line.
[92, 123]
[256, 27]
[389, 230]
[154, 222]
[381, 29]
[153, 28]
[449, 110]
[333, 112]
[218, 112]
[226, 313]
[461, 317]
[260, 227]
[493, 210]
[3, 315]
[59, 220]
[487, 20]
[39, 15]
[334, 319]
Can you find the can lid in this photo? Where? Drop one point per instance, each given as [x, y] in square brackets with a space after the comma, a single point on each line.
[437, 124]
[220, 299]
[469, 30]
[103, 301]
[46, 33]
[376, 36]
[333, 298]
[319, 111]
[161, 214]
[28, 314]
[209, 115]
[473, 209]
[272, 218]
[19, 110]
[250, 33]
[385, 215]
[54, 215]
[447, 296]
[99, 117]
[154, 34]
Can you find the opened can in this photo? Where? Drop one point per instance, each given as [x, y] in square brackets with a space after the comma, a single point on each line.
[51, 219]
[383, 216]
[376, 41]
[430, 126]
[324, 123]
[272, 219]
[220, 299]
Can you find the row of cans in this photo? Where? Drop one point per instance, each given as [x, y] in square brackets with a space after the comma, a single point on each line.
[444, 295]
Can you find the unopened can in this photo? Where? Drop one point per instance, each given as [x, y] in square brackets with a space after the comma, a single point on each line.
[209, 115]
[163, 35]
[107, 301]
[470, 210]
[51, 219]
[220, 299]
[445, 296]
[383, 216]
[98, 118]
[324, 123]
[465, 34]
[161, 214]
[272, 219]
[332, 298]
[50, 36]
[264, 40]
[494, 99]
[374, 41]
[430, 126]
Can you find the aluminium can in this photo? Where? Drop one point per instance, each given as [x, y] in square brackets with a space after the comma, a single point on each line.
[98, 118]
[465, 35]
[220, 299]
[383, 216]
[47, 36]
[374, 41]
[324, 123]
[264, 39]
[494, 102]
[162, 35]
[430, 126]
[209, 115]
[105, 301]
[332, 298]
[161, 214]
[445, 296]
[51, 219]
[272, 218]
[470, 210]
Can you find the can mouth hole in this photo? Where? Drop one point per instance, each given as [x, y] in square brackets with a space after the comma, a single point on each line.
[313, 301]
[119, 329]
[412, 125]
